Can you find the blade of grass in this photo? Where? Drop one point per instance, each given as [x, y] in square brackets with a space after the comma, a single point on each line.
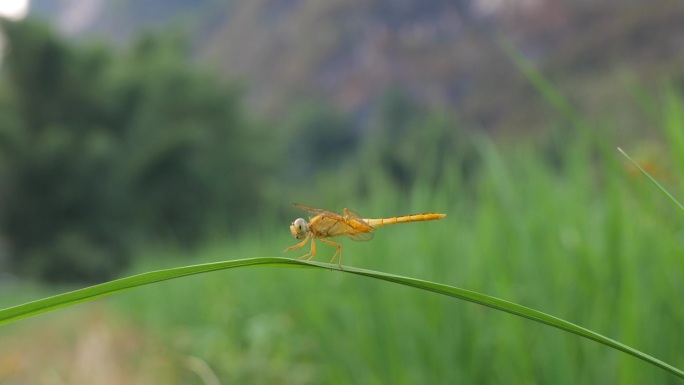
[545, 88]
[652, 179]
[29, 309]
[78, 296]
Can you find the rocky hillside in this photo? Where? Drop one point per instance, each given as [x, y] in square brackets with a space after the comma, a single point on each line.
[443, 53]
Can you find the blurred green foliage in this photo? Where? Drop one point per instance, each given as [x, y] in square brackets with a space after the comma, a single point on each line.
[321, 137]
[102, 151]
[413, 144]
[99, 151]
[335, 157]
[584, 239]
[559, 225]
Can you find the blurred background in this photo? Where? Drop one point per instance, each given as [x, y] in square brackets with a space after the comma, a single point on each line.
[136, 136]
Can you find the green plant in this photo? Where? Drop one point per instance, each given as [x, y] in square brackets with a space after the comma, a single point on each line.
[59, 301]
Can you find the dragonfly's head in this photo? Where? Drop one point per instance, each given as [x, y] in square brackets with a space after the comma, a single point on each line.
[299, 228]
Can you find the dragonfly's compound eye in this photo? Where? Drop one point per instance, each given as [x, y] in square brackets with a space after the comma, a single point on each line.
[299, 228]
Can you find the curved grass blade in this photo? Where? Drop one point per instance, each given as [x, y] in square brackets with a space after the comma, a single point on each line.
[78, 296]
[44, 305]
[519, 310]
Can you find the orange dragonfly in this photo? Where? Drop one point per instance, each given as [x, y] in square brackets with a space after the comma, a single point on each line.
[328, 224]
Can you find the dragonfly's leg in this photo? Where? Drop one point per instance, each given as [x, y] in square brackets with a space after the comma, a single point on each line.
[338, 252]
[312, 252]
[298, 246]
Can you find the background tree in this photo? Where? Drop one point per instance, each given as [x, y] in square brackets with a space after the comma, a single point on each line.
[99, 150]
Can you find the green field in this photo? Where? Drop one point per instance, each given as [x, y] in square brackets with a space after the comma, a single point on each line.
[585, 240]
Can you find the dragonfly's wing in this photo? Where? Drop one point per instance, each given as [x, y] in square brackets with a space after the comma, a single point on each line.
[363, 231]
[316, 211]
[353, 215]
[361, 237]
[334, 224]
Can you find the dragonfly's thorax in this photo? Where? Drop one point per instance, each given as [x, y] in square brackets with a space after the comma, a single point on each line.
[299, 228]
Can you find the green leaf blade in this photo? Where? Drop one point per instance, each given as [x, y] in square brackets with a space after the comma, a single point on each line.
[98, 291]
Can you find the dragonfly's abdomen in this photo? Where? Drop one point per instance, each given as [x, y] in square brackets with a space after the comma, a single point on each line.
[404, 219]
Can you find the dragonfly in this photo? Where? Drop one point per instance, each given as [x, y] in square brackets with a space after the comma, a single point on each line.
[327, 224]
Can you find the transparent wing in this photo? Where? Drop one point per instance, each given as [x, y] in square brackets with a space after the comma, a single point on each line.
[353, 215]
[350, 224]
[363, 231]
[316, 211]
[360, 237]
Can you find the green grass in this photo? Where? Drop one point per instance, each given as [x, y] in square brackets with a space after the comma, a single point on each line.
[29, 309]
[574, 235]
[586, 242]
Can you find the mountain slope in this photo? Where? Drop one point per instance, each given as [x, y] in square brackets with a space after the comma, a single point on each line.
[442, 53]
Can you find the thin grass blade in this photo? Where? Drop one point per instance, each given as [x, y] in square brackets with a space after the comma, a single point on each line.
[78, 296]
[652, 179]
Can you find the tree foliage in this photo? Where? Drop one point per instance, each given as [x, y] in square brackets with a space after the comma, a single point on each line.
[99, 150]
